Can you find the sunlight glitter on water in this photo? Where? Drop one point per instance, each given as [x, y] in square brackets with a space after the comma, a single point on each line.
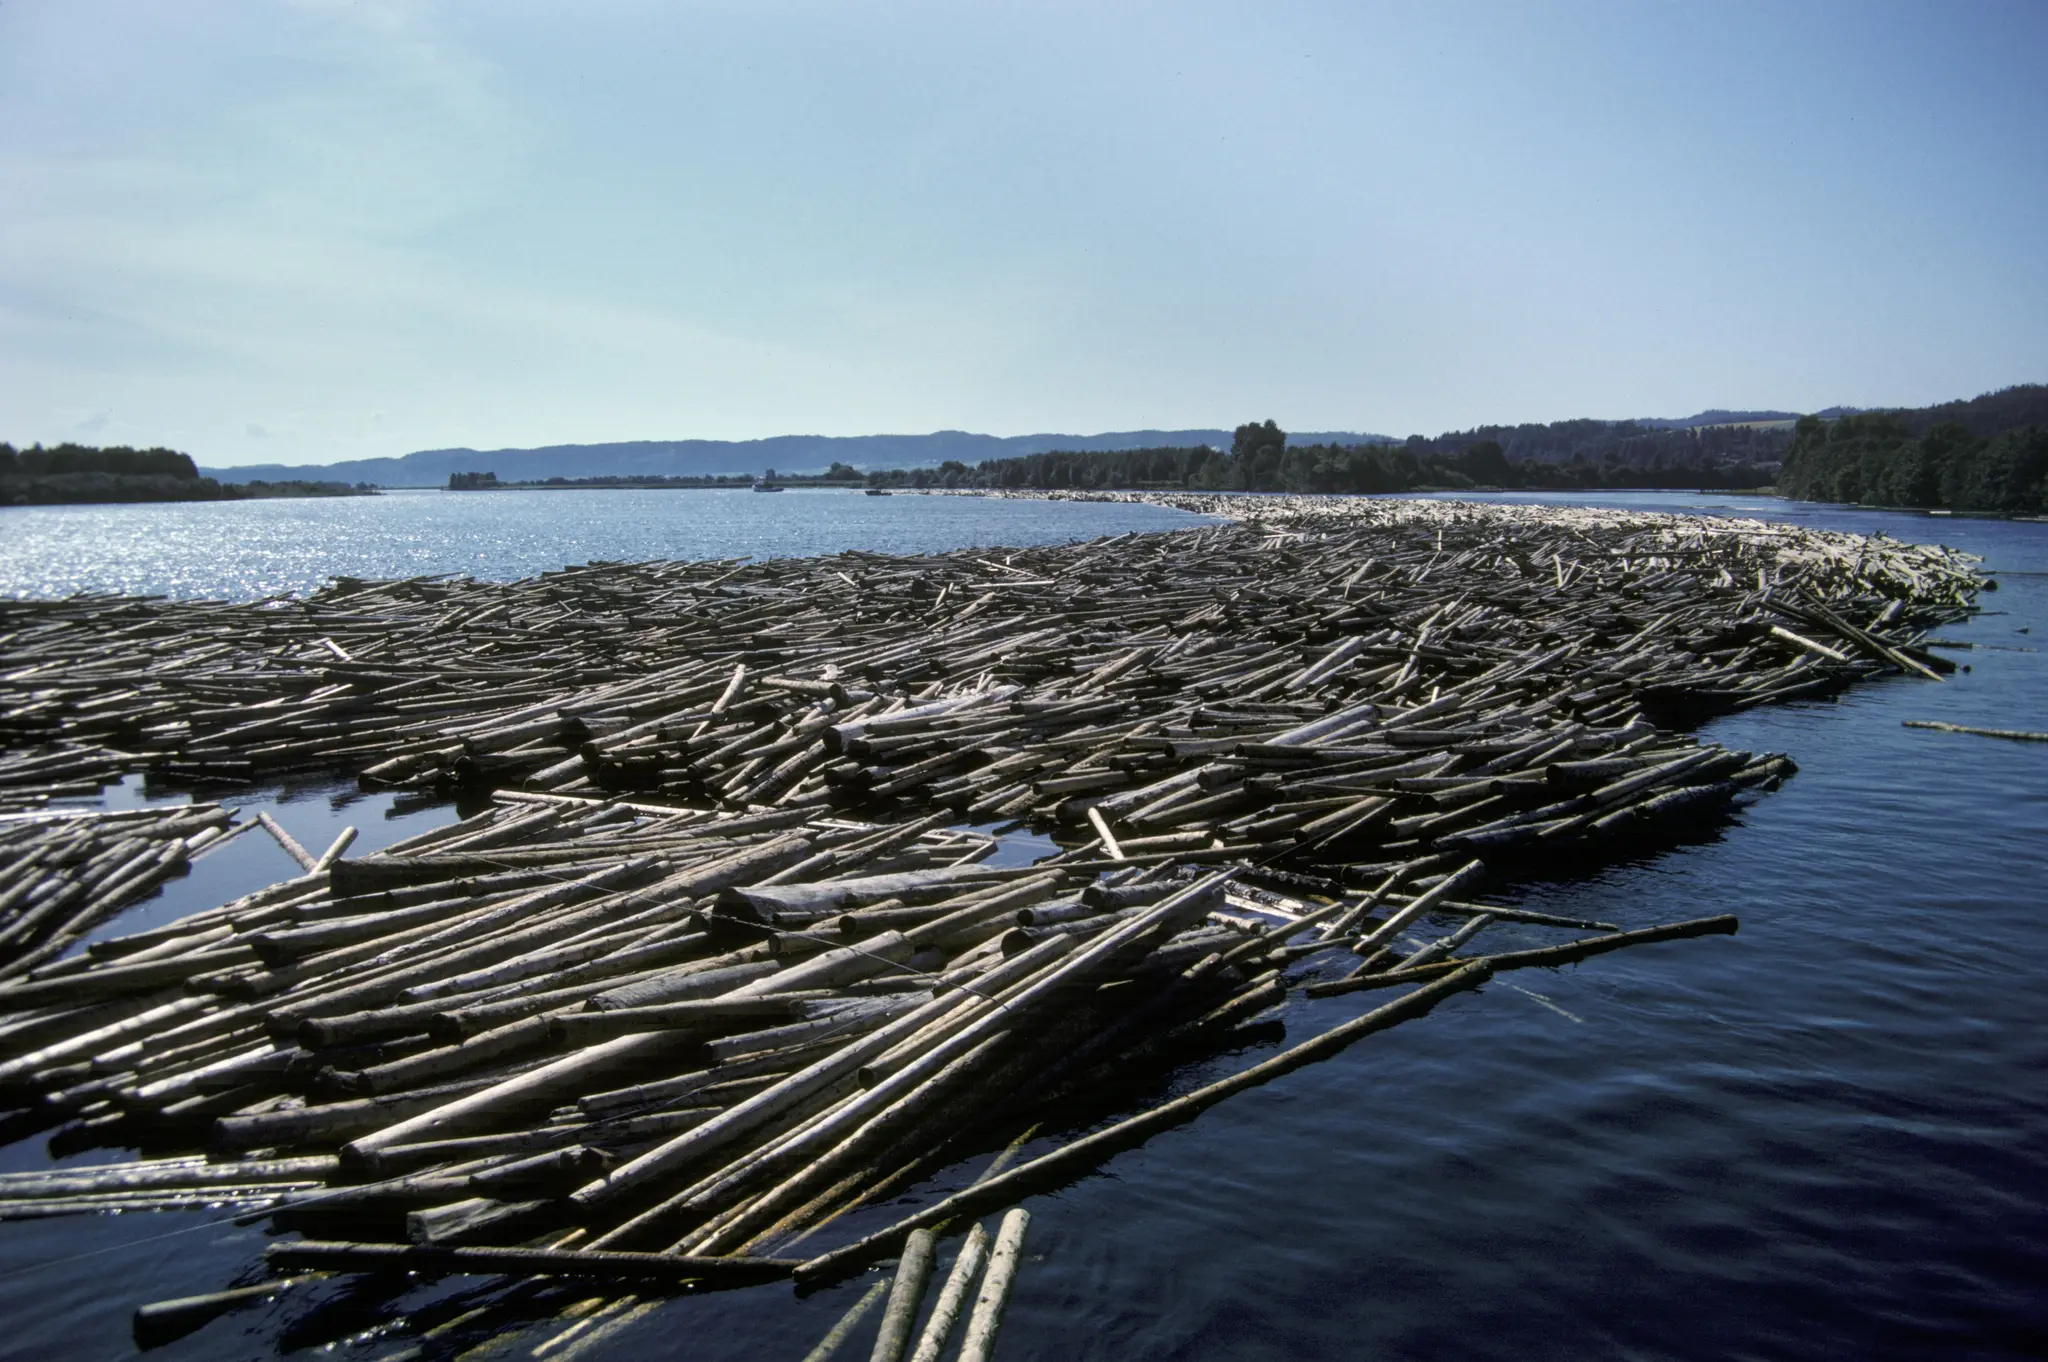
[248, 550]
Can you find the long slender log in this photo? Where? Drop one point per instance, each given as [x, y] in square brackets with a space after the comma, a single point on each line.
[1374, 940]
[523, 1091]
[1564, 954]
[835, 1337]
[327, 1256]
[587, 1027]
[980, 1341]
[288, 842]
[953, 1296]
[173, 1174]
[899, 1317]
[2010, 734]
[166, 1321]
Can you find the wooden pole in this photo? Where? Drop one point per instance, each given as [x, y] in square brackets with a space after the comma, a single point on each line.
[980, 1342]
[953, 1296]
[912, 1272]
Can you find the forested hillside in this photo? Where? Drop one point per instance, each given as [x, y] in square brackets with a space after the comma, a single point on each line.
[71, 473]
[1568, 454]
[1993, 413]
[1988, 453]
[1972, 461]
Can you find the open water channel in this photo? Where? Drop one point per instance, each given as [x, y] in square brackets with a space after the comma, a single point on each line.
[1826, 1136]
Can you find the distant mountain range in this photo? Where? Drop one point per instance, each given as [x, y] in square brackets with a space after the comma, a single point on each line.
[1719, 417]
[702, 458]
[814, 453]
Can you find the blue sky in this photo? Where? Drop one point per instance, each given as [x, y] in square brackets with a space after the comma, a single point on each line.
[299, 232]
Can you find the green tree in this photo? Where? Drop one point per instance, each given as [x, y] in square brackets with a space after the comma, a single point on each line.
[1251, 441]
[1486, 462]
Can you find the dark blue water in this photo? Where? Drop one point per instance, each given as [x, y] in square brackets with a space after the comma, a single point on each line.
[1824, 1137]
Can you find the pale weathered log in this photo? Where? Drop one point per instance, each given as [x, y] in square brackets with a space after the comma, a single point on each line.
[586, 1264]
[1563, 954]
[2011, 734]
[938, 1329]
[913, 1270]
[288, 842]
[979, 1343]
[835, 1337]
[163, 1322]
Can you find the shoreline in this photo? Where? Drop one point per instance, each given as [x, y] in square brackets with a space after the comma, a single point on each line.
[1174, 500]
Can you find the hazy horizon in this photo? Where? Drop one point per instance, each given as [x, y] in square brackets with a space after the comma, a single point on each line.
[316, 231]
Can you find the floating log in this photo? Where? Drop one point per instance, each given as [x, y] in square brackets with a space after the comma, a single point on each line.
[980, 1341]
[835, 1337]
[1724, 925]
[586, 1264]
[164, 1322]
[938, 1329]
[913, 1270]
[2010, 734]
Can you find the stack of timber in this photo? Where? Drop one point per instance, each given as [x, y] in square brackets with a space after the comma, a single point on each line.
[718, 961]
[38, 779]
[1031, 684]
[64, 873]
[650, 1029]
[650, 1045]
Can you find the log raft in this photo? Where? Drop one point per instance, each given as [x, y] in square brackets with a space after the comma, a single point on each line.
[725, 952]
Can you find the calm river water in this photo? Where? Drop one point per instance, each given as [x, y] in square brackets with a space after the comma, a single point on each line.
[1824, 1137]
[245, 550]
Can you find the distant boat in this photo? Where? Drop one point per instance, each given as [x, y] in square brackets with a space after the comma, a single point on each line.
[767, 487]
[876, 492]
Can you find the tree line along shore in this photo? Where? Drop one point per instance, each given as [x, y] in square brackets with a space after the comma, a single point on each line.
[70, 474]
[838, 475]
[1988, 454]
[1883, 459]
